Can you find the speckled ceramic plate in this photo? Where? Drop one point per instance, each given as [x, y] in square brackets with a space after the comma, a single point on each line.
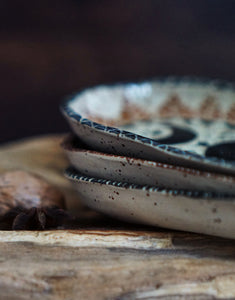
[177, 209]
[179, 121]
[138, 171]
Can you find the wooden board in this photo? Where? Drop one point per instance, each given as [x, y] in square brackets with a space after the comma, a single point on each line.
[101, 258]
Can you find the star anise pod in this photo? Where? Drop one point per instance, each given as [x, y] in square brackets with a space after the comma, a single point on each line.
[35, 218]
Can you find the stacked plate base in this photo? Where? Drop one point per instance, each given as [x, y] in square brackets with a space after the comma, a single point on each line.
[159, 152]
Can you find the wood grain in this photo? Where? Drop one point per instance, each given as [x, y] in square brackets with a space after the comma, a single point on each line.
[101, 258]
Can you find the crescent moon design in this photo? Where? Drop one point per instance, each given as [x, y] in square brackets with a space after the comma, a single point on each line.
[179, 135]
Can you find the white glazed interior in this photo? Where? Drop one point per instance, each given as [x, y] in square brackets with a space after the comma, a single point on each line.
[144, 108]
[147, 100]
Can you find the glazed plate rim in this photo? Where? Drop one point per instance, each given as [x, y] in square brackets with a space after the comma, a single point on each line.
[131, 136]
[67, 146]
[74, 175]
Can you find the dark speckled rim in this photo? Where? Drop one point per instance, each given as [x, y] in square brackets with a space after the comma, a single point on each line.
[74, 175]
[219, 84]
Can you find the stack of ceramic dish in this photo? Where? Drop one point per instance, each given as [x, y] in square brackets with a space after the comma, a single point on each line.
[158, 153]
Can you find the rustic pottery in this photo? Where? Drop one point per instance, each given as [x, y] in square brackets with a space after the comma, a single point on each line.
[200, 212]
[143, 172]
[178, 121]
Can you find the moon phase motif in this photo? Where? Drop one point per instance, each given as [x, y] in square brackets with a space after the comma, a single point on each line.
[179, 135]
[224, 150]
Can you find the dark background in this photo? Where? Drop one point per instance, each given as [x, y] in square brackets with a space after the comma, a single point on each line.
[51, 48]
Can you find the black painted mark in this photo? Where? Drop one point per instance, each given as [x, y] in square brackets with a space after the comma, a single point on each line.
[207, 122]
[188, 121]
[225, 151]
[229, 125]
[156, 132]
[202, 144]
[179, 135]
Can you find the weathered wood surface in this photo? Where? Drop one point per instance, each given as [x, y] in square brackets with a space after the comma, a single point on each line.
[100, 258]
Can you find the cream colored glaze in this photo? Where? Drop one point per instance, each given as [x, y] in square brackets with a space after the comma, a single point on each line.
[202, 215]
[143, 172]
